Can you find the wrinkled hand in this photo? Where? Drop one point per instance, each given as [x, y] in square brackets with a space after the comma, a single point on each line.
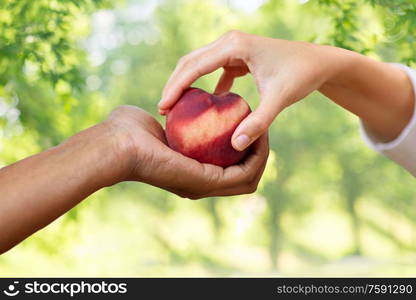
[284, 71]
[141, 140]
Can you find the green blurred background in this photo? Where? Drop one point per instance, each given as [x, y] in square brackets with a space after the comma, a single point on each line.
[327, 205]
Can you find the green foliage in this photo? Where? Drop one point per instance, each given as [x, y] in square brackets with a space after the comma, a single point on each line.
[42, 66]
[398, 20]
[37, 40]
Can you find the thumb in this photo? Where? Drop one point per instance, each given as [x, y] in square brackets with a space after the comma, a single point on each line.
[256, 123]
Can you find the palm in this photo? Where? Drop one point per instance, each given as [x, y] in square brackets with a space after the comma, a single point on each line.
[153, 162]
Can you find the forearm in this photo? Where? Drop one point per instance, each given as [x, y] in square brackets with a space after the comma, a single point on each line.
[379, 93]
[39, 189]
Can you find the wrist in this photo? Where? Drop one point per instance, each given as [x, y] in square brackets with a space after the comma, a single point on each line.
[398, 110]
[106, 156]
[340, 65]
[380, 94]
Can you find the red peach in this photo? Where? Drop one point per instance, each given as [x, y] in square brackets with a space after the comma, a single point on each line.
[200, 126]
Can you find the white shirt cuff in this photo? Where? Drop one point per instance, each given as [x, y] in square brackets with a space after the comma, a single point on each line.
[402, 150]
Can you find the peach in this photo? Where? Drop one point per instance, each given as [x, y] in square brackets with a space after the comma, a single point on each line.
[200, 126]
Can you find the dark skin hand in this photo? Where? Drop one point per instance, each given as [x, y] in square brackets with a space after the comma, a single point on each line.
[129, 146]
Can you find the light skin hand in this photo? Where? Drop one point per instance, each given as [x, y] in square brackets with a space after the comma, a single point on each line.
[130, 145]
[287, 71]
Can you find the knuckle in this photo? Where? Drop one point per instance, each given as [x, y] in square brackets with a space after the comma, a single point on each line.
[234, 34]
[212, 178]
[255, 185]
[191, 194]
[251, 184]
[190, 65]
[252, 188]
[236, 38]
[183, 60]
[121, 108]
[248, 180]
[194, 197]
[196, 70]
[266, 153]
[185, 195]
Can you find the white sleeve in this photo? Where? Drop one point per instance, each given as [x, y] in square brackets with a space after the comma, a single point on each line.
[402, 150]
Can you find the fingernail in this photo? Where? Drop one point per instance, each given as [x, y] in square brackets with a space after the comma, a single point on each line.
[241, 142]
[160, 102]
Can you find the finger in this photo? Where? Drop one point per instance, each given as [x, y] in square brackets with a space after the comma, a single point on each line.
[235, 180]
[200, 62]
[180, 67]
[186, 73]
[225, 82]
[244, 178]
[205, 180]
[229, 74]
[264, 152]
[195, 178]
[246, 172]
[257, 122]
[254, 165]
